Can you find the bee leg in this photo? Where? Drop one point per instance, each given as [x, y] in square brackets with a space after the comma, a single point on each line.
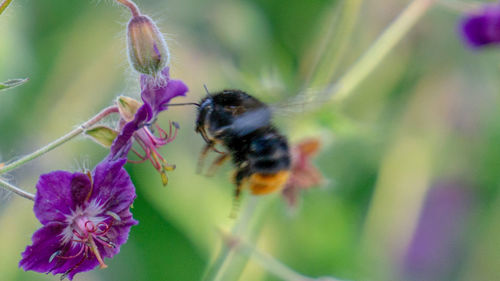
[239, 181]
[202, 157]
[217, 163]
[236, 205]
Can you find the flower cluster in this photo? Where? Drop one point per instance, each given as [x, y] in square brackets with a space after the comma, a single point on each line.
[86, 217]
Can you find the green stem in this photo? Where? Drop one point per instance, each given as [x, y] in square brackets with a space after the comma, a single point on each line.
[380, 49]
[105, 112]
[460, 6]
[336, 44]
[226, 254]
[16, 190]
[4, 5]
[271, 264]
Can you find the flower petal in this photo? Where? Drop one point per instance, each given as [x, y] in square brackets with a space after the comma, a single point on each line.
[123, 143]
[175, 88]
[85, 265]
[112, 185]
[118, 234]
[54, 199]
[42, 255]
[80, 188]
[46, 241]
[75, 265]
[158, 94]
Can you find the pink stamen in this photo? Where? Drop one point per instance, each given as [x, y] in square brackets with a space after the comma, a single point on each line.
[77, 234]
[155, 160]
[92, 227]
[172, 138]
[162, 133]
[144, 147]
[143, 158]
[78, 241]
[102, 228]
[95, 250]
[105, 243]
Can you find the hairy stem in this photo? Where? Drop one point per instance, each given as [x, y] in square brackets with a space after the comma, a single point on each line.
[4, 5]
[380, 49]
[131, 6]
[16, 190]
[105, 112]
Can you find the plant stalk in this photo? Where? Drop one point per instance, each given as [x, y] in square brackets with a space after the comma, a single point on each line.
[227, 253]
[131, 6]
[16, 190]
[271, 264]
[380, 49]
[4, 5]
[74, 133]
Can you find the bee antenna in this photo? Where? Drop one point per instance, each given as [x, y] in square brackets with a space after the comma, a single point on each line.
[206, 89]
[182, 104]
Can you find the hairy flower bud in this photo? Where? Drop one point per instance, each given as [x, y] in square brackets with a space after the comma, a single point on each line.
[147, 49]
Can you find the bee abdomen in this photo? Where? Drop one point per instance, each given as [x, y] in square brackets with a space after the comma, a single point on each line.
[272, 165]
[261, 184]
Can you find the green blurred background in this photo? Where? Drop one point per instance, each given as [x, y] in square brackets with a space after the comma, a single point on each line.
[412, 158]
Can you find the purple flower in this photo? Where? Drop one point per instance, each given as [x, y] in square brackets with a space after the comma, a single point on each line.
[138, 119]
[85, 218]
[482, 28]
[156, 92]
[440, 239]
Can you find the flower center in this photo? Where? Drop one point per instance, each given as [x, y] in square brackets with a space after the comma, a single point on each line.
[88, 232]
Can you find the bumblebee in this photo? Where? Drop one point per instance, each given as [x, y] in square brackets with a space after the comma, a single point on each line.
[242, 125]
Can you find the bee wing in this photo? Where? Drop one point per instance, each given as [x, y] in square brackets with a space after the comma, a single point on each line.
[251, 121]
[305, 101]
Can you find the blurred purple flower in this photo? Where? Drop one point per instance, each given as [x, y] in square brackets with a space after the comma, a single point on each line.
[483, 27]
[438, 241]
[85, 218]
[156, 94]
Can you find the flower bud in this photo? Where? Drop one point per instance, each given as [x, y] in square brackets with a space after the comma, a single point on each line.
[127, 107]
[148, 51]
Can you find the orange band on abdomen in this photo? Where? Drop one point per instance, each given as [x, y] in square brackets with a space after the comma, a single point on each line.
[267, 183]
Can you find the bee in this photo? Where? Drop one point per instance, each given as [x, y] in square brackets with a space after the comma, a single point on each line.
[242, 125]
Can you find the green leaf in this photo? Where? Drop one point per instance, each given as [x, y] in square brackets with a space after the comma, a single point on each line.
[12, 83]
[102, 135]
